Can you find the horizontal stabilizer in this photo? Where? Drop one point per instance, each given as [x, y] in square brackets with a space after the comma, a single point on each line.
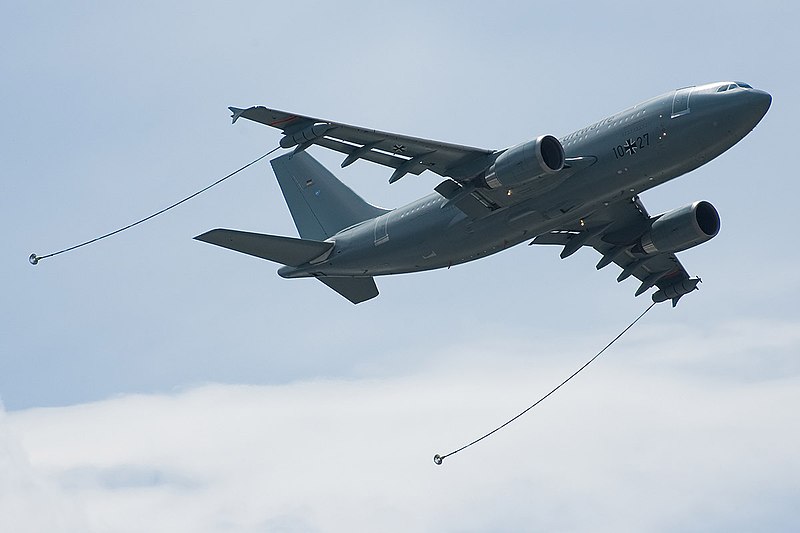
[284, 250]
[356, 290]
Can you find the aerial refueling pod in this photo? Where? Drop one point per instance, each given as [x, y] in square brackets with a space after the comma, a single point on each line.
[525, 162]
[306, 135]
[680, 229]
[675, 291]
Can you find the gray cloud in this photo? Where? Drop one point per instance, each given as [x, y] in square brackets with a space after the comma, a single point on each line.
[120, 477]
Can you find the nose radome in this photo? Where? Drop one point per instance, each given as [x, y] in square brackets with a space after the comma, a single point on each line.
[758, 103]
[762, 98]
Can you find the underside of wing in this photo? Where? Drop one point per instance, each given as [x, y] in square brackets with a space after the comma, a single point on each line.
[405, 154]
[624, 234]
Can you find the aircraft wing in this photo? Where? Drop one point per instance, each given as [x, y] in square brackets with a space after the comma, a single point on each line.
[614, 231]
[406, 155]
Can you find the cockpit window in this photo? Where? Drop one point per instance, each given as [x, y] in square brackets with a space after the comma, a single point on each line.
[732, 86]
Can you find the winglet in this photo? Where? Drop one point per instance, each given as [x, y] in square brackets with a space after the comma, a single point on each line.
[236, 114]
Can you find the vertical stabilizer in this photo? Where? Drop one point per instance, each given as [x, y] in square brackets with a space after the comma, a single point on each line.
[320, 204]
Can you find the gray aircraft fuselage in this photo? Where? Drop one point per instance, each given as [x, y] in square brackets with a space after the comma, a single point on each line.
[635, 150]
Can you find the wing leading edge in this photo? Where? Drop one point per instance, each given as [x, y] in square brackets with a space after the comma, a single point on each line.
[405, 154]
[462, 166]
[615, 232]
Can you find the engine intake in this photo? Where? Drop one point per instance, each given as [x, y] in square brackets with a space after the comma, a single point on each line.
[525, 162]
[681, 229]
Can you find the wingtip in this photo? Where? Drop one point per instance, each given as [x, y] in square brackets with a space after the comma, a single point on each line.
[236, 113]
[204, 237]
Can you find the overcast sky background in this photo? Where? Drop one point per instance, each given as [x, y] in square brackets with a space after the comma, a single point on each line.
[152, 382]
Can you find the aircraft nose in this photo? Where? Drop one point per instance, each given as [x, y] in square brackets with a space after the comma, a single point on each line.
[751, 105]
[761, 100]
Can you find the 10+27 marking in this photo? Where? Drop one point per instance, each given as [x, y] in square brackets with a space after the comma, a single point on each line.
[631, 146]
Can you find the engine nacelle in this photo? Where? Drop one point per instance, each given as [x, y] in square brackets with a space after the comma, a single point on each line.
[681, 229]
[525, 162]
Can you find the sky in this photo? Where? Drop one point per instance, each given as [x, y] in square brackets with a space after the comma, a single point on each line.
[153, 382]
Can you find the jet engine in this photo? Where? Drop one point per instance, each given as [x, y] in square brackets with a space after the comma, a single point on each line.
[526, 162]
[680, 229]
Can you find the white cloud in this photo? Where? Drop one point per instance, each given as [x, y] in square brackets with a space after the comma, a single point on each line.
[642, 441]
[30, 501]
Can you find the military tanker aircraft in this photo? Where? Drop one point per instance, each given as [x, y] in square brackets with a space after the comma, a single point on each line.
[579, 190]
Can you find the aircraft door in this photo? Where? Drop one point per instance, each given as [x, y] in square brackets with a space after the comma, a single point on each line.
[680, 102]
[382, 229]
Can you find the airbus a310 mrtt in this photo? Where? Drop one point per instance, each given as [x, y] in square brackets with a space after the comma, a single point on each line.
[579, 190]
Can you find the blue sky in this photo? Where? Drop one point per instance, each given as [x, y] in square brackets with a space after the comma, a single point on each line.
[115, 111]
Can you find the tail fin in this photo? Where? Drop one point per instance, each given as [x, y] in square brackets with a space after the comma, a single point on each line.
[320, 204]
